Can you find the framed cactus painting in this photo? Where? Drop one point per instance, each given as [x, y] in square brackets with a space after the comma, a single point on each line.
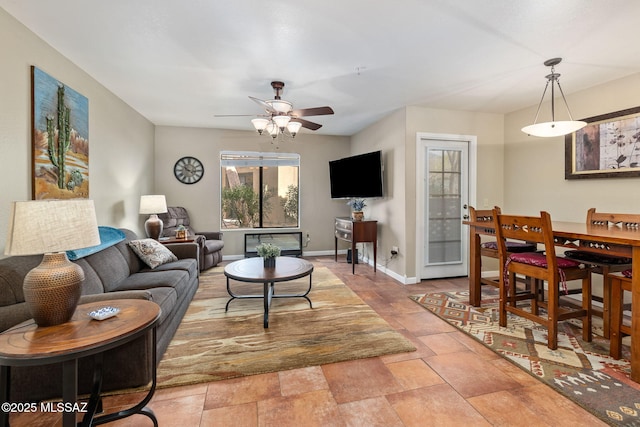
[60, 139]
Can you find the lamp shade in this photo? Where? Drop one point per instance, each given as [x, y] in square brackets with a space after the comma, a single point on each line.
[47, 226]
[260, 124]
[281, 121]
[153, 204]
[558, 128]
[294, 127]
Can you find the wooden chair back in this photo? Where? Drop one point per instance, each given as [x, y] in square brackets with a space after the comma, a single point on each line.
[482, 215]
[527, 229]
[631, 221]
[485, 215]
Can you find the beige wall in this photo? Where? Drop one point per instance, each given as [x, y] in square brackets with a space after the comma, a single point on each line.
[396, 135]
[534, 167]
[120, 140]
[202, 199]
[387, 135]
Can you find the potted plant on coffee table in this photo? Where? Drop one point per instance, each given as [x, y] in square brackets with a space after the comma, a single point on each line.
[356, 206]
[268, 252]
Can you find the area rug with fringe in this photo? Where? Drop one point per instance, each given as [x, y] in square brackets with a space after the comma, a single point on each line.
[580, 370]
[211, 344]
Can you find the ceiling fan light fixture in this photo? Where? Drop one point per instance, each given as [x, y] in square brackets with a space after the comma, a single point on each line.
[273, 129]
[281, 121]
[280, 106]
[553, 128]
[260, 124]
[293, 128]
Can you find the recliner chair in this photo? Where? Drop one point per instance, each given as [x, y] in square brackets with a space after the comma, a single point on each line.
[210, 242]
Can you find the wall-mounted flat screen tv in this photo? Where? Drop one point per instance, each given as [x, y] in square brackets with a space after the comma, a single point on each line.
[356, 176]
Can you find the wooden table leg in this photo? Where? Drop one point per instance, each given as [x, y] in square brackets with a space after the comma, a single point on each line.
[635, 316]
[475, 268]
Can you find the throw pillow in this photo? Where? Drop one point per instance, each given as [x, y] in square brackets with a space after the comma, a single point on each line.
[151, 252]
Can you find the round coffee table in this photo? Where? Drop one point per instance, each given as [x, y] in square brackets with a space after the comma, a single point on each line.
[252, 270]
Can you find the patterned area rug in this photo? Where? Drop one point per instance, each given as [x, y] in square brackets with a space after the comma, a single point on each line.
[212, 345]
[582, 371]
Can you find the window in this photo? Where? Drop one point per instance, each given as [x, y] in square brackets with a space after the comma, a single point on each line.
[259, 190]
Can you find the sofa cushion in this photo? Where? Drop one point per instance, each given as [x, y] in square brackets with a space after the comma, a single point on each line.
[189, 265]
[12, 272]
[151, 252]
[92, 283]
[113, 264]
[150, 279]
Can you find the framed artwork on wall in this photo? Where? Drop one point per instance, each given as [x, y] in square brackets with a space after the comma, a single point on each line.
[608, 147]
[60, 139]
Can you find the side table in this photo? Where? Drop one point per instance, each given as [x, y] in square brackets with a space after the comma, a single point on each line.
[26, 344]
[165, 240]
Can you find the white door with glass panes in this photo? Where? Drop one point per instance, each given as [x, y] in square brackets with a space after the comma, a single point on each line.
[442, 172]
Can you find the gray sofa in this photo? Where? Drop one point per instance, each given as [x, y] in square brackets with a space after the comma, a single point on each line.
[113, 273]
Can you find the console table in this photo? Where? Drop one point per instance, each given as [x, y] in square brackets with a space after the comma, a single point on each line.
[356, 232]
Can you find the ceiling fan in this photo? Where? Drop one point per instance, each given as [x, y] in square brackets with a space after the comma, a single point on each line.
[280, 117]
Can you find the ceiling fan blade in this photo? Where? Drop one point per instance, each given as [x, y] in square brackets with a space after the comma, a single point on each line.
[307, 124]
[263, 104]
[317, 111]
[233, 115]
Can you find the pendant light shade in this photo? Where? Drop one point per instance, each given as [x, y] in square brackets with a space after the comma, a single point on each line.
[557, 128]
[553, 128]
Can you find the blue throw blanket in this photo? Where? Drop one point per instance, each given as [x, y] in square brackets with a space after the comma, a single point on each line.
[109, 236]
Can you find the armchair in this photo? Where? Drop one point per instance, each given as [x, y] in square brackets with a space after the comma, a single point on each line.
[210, 242]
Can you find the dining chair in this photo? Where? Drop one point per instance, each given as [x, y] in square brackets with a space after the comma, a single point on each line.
[544, 267]
[620, 282]
[489, 248]
[604, 264]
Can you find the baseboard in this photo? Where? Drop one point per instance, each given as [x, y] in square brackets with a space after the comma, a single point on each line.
[395, 276]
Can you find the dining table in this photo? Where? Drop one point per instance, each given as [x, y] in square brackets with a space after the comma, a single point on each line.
[608, 239]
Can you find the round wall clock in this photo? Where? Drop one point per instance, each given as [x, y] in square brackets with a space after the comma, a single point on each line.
[188, 170]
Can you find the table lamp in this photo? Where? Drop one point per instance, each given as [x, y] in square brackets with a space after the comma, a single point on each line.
[152, 205]
[51, 227]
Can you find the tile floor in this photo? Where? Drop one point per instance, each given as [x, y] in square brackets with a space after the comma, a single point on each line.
[451, 380]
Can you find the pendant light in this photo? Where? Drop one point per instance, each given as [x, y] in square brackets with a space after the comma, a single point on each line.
[553, 128]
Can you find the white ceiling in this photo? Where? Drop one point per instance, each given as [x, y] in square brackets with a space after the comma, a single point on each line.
[182, 62]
